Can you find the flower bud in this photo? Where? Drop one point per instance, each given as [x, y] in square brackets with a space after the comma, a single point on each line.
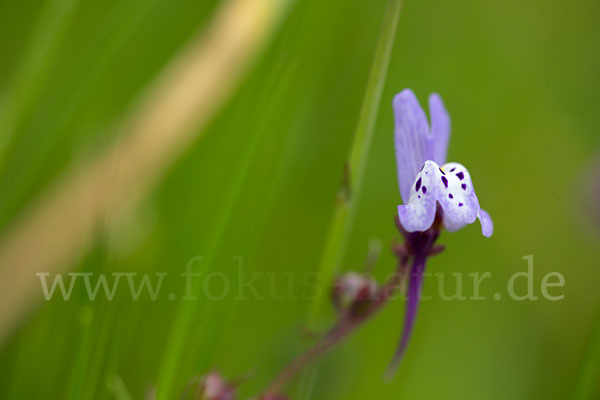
[353, 292]
[214, 387]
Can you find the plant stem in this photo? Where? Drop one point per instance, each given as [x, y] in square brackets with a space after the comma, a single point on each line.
[418, 247]
[345, 211]
[340, 331]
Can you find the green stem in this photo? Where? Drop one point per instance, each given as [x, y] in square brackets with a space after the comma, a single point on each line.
[345, 212]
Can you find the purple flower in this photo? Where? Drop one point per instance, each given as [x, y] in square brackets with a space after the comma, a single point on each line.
[433, 196]
[420, 150]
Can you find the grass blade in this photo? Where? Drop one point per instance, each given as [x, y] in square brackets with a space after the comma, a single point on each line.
[345, 212]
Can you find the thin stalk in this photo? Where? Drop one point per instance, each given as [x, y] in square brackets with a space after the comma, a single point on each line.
[418, 247]
[344, 328]
[345, 212]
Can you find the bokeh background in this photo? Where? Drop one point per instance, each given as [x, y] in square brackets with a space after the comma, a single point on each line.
[520, 80]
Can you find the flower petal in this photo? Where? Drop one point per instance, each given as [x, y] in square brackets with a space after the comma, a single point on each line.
[411, 140]
[487, 226]
[451, 188]
[419, 212]
[457, 197]
[440, 128]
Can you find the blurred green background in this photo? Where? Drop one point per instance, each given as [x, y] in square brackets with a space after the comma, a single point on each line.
[520, 80]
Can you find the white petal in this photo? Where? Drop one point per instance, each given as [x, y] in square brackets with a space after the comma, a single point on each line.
[419, 213]
[451, 187]
[458, 198]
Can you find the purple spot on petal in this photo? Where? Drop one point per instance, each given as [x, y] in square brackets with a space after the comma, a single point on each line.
[419, 196]
[464, 186]
[452, 170]
[424, 189]
[445, 181]
[422, 166]
[460, 175]
[460, 204]
[418, 185]
[442, 171]
[450, 195]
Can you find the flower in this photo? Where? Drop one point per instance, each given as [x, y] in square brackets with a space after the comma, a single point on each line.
[420, 150]
[433, 196]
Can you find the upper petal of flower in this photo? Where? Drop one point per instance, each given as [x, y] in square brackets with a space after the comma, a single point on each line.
[414, 141]
[410, 139]
[440, 128]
